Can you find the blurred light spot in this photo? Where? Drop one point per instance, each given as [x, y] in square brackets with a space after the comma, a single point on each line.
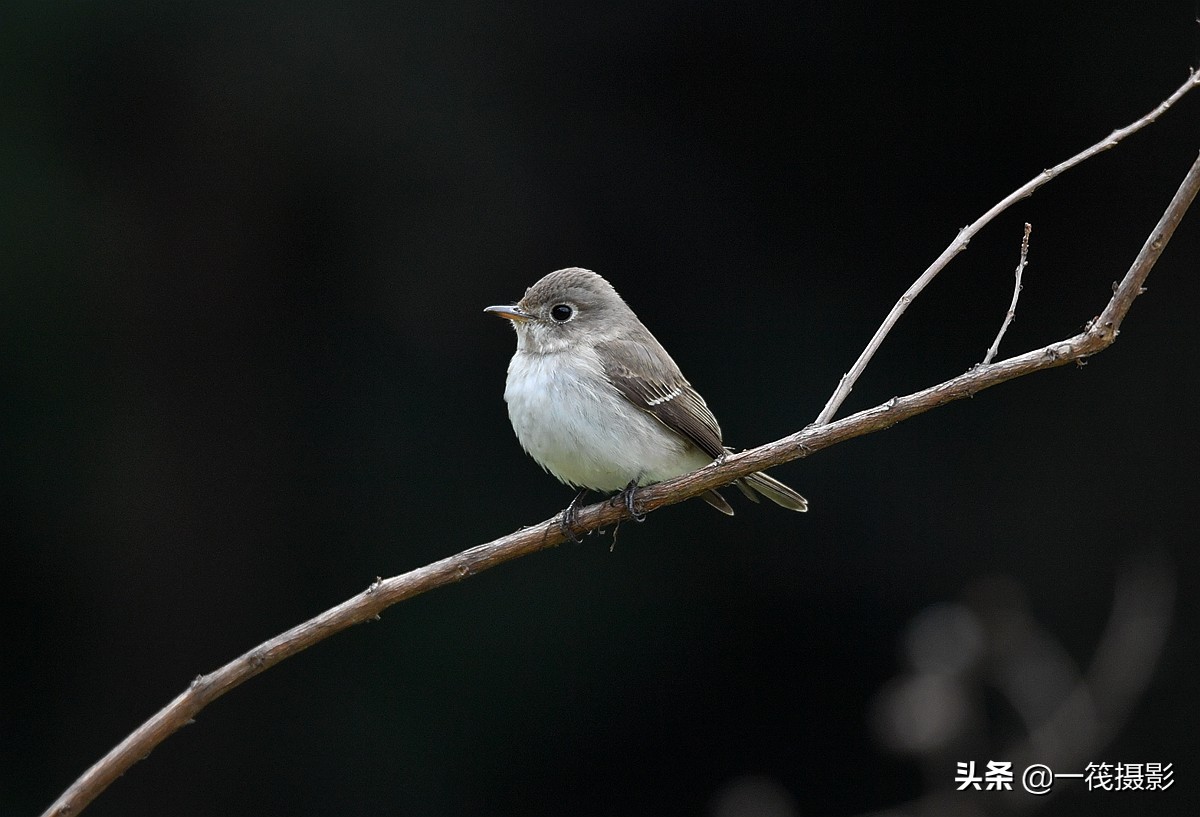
[920, 713]
[753, 796]
[944, 638]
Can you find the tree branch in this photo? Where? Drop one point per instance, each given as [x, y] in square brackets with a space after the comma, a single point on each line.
[994, 349]
[383, 593]
[846, 384]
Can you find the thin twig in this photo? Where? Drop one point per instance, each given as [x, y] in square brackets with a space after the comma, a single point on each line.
[1012, 307]
[846, 384]
[383, 593]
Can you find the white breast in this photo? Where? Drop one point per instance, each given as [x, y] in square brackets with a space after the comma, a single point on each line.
[578, 427]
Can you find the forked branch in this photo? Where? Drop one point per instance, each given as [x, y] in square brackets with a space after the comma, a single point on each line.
[846, 384]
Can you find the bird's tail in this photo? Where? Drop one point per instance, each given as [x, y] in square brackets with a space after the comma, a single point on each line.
[773, 490]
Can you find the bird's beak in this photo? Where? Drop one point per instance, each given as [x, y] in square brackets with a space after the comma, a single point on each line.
[513, 313]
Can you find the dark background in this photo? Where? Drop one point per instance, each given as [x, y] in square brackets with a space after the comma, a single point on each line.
[244, 253]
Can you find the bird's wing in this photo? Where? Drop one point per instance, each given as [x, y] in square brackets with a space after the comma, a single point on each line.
[661, 391]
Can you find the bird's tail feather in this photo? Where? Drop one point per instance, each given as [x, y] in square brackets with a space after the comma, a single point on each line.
[773, 490]
[717, 501]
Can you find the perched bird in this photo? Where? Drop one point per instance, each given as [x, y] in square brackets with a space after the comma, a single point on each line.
[596, 400]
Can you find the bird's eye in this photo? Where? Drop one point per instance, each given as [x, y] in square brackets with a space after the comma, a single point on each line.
[561, 313]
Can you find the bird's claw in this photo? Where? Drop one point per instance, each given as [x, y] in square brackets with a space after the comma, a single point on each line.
[570, 517]
[627, 497]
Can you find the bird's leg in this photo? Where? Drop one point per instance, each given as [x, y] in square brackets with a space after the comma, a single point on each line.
[626, 497]
[570, 517]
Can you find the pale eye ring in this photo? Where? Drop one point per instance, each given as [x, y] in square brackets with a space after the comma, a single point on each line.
[561, 313]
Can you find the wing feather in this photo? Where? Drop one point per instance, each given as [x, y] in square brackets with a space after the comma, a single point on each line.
[661, 391]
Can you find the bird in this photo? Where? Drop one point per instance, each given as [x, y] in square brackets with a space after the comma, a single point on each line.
[597, 401]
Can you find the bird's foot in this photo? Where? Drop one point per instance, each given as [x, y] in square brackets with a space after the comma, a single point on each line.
[626, 497]
[570, 517]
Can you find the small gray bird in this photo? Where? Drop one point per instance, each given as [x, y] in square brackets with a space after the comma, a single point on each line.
[596, 400]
